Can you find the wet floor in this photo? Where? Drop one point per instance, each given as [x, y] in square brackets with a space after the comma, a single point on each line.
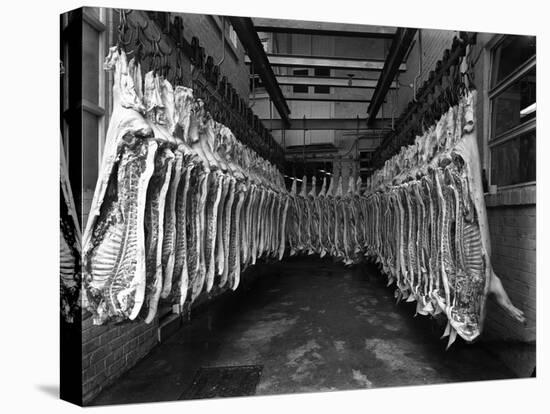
[314, 326]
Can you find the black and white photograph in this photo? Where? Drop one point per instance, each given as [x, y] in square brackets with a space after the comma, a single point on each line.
[255, 205]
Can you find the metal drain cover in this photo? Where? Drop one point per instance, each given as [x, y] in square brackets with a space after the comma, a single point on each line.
[234, 381]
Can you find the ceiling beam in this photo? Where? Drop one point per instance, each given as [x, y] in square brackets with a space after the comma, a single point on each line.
[400, 44]
[327, 124]
[322, 28]
[334, 82]
[249, 38]
[325, 61]
[315, 98]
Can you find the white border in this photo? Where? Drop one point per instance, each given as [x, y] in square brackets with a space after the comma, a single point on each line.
[29, 165]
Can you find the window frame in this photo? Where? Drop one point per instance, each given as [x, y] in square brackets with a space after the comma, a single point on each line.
[494, 92]
[99, 110]
[306, 74]
[65, 84]
[76, 108]
[315, 74]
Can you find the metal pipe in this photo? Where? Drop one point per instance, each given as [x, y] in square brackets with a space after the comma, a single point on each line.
[251, 42]
[223, 41]
[304, 146]
[407, 124]
[270, 114]
[394, 102]
[253, 86]
[415, 80]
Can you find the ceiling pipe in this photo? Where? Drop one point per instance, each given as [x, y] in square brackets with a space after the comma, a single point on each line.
[420, 69]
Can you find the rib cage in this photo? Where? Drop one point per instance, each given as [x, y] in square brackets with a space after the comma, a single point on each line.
[154, 225]
[169, 237]
[181, 272]
[115, 263]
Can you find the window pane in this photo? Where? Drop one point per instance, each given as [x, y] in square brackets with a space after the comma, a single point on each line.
[90, 149]
[510, 54]
[93, 11]
[512, 106]
[300, 88]
[514, 161]
[325, 72]
[256, 82]
[90, 63]
[364, 164]
[322, 72]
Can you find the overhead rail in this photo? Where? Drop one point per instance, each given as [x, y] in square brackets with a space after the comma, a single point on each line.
[249, 38]
[400, 44]
[322, 28]
[435, 96]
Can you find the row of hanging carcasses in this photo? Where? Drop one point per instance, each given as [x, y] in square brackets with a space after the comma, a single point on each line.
[180, 207]
[421, 217]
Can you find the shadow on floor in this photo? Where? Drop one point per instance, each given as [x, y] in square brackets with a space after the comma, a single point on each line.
[51, 390]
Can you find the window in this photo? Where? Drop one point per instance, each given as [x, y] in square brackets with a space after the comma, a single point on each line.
[512, 141]
[300, 88]
[266, 43]
[322, 72]
[84, 100]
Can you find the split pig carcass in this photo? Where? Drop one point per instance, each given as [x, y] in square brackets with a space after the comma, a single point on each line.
[180, 206]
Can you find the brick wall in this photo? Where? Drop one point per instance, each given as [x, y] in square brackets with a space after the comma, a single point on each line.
[434, 42]
[208, 30]
[110, 350]
[512, 225]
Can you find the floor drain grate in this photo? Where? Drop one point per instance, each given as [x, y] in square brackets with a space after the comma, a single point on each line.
[235, 381]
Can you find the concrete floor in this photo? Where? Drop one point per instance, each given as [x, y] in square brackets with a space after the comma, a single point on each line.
[314, 326]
